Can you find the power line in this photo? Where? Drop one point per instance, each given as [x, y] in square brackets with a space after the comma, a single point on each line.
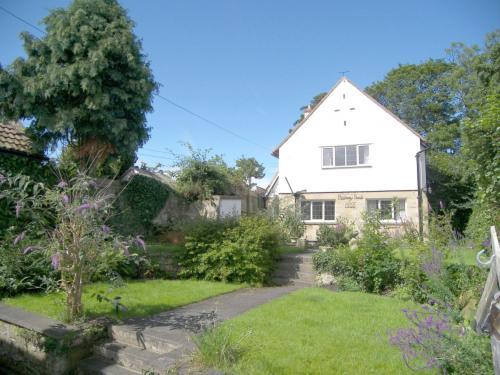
[22, 20]
[217, 125]
[171, 102]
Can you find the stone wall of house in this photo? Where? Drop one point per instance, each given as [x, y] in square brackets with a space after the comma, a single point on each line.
[352, 205]
[33, 344]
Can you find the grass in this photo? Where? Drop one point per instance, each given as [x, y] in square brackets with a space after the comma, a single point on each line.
[459, 255]
[314, 331]
[290, 249]
[141, 298]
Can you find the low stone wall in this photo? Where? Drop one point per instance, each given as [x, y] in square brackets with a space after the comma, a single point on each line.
[33, 344]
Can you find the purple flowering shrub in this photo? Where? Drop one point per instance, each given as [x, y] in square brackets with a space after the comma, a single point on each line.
[73, 235]
[434, 340]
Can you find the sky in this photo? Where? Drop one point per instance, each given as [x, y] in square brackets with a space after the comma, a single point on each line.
[248, 66]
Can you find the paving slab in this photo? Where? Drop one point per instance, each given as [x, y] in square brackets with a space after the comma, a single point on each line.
[178, 325]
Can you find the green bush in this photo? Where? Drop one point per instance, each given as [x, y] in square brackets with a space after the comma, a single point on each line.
[291, 223]
[138, 204]
[229, 250]
[373, 269]
[24, 273]
[337, 234]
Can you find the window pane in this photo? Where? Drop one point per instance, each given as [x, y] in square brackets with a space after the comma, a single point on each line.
[386, 210]
[401, 211]
[327, 157]
[317, 208]
[329, 210]
[340, 155]
[305, 209]
[372, 205]
[352, 158]
[364, 154]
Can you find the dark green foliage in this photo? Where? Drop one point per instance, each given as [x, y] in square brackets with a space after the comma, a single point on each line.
[200, 176]
[336, 235]
[375, 270]
[24, 273]
[228, 250]
[85, 83]
[139, 203]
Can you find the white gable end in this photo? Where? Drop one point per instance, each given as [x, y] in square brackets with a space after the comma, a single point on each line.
[349, 117]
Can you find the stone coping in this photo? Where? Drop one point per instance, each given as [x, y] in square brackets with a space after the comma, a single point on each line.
[37, 323]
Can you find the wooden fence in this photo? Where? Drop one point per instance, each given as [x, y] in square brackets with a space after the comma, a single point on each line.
[487, 317]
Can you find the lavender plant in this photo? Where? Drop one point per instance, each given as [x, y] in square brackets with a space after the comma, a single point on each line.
[435, 341]
[74, 234]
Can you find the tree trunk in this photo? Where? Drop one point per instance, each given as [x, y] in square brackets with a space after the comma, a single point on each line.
[74, 296]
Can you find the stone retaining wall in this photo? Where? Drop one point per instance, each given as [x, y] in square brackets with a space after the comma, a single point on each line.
[33, 344]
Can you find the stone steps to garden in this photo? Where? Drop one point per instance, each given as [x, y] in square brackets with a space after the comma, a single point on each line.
[295, 269]
[163, 342]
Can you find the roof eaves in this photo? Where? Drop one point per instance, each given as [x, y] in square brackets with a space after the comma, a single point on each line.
[304, 120]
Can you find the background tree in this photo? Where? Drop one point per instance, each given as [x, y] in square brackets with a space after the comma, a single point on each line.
[85, 84]
[312, 104]
[199, 175]
[248, 169]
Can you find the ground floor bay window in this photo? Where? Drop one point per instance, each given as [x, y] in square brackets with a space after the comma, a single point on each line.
[389, 209]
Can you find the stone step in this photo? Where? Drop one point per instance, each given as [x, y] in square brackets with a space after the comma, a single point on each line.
[305, 276]
[96, 365]
[291, 258]
[139, 359]
[296, 282]
[301, 267]
[155, 341]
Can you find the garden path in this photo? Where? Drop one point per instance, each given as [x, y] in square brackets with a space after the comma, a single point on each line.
[164, 341]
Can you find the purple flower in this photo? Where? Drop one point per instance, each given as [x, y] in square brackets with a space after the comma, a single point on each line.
[19, 238]
[432, 266]
[140, 242]
[18, 208]
[65, 199]
[105, 229]
[55, 259]
[62, 184]
[486, 243]
[83, 207]
[29, 249]
[125, 250]
[2, 178]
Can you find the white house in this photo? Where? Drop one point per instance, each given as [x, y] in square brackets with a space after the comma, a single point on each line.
[348, 155]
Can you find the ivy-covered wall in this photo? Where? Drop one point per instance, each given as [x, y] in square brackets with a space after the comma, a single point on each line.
[138, 204]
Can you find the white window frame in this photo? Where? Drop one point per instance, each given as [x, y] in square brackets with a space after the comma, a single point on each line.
[399, 219]
[322, 220]
[357, 165]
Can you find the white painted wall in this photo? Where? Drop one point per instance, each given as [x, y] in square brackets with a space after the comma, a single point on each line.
[392, 147]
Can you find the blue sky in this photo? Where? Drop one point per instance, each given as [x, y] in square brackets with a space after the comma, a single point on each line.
[250, 65]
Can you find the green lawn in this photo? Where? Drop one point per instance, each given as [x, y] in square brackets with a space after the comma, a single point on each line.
[290, 249]
[460, 255]
[141, 298]
[316, 331]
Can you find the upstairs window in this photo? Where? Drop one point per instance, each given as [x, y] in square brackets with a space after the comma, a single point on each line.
[389, 209]
[318, 210]
[345, 156]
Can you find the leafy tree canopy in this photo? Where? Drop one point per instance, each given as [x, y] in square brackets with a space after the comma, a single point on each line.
[200, 175]
[85, 84]
[249, 168]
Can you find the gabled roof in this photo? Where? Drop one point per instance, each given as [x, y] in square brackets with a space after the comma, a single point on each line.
[14, 140]
[304, 120]
[271, 184]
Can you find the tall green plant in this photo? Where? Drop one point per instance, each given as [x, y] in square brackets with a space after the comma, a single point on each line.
[85, 83]
[77, 239]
